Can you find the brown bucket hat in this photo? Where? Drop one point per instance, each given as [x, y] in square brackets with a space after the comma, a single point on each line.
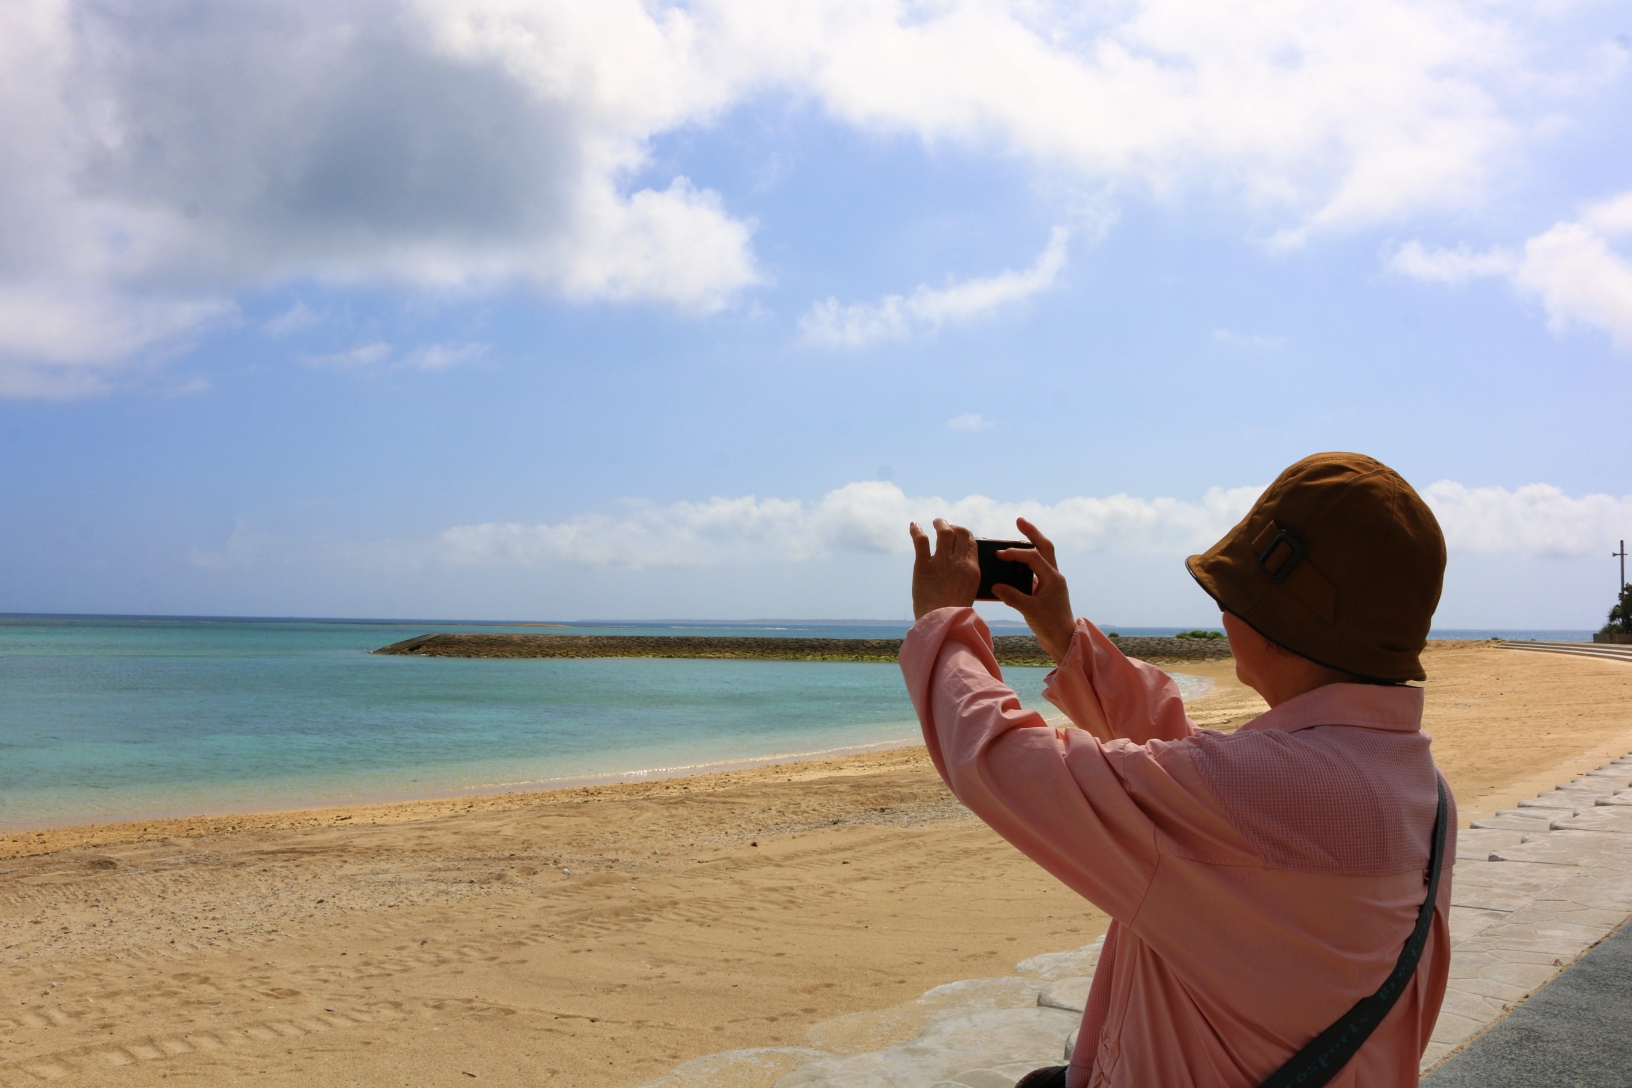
[1340, 561]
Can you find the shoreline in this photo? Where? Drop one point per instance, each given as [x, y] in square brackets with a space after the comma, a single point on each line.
[40, 841]
[300, 807]
[1225, 705]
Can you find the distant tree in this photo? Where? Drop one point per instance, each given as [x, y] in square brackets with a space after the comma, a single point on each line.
[1620, 617]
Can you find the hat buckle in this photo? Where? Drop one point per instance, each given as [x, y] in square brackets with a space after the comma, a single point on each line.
[1282, 572]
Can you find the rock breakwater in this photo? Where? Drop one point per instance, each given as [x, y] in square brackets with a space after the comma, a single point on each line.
[1011, 649]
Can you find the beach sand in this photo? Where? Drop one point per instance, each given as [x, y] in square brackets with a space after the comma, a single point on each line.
[446, 942]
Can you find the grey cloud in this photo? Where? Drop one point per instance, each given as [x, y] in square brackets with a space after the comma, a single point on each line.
[289, 138]
[165, 156]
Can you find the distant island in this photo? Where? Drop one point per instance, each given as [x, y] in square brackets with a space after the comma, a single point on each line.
[1011, 649]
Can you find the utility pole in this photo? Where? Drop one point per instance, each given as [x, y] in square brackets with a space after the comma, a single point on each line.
[1622, 555]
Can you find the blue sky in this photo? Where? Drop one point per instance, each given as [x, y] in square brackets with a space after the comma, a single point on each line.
[543, 310]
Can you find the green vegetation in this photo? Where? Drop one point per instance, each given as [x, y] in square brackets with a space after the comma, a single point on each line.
[1113, 634]
[1620, 617]
[1198, 633]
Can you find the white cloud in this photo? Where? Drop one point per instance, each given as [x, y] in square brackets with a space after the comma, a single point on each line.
[1537, 520]
[872, 516]
[357, 358]
[296, 318]
[897, 317]
[968, 421]
[1451, 265]
[1571, 267]
[443, 356]
[70, 340]
[163, 158]
[868, 516]
[379, 355]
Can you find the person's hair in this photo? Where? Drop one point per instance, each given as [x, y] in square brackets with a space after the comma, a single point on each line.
[1354, 678]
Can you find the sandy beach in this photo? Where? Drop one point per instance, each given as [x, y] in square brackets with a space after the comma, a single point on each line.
[600, 936]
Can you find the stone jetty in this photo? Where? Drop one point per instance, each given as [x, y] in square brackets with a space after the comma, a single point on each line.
[1011, 649]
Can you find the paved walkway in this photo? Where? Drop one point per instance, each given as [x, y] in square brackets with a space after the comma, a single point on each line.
[1536, 886]
[1576, 1033]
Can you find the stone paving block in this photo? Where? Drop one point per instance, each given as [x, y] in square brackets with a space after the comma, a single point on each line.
[982, 1040]
[1606, 819]
[1545, 801]
[1466, 921]
[872, 1029]
[1572, 912]
[1468, 963]
[1496, 885]
[1485, 973]
[979, 1078]
[1624, 797]
[1451, 1030]
[1616, 775]
[1582, 849]
[978, 994]
[1542, 936]
[1594, 786]
[736, 1068]
[1053, 965]
[1067, 993]
[1003, 1076]
[1476, 845]
[1515, 823]
[1541, 959]
[1528, 977]
[1570, 798]
[1493, 990]
[1601, 888]
[1472, 1006]
[1433, 1053]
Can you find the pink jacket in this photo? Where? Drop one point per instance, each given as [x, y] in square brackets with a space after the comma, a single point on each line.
[1260, 883]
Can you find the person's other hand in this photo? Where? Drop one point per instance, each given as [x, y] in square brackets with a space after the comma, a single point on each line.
[1047, 610]
[951, 577]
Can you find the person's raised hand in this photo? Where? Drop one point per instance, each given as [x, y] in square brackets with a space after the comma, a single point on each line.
[1047, 610]
[950, 577]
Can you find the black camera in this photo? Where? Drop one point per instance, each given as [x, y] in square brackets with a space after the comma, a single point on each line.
[1001, 572]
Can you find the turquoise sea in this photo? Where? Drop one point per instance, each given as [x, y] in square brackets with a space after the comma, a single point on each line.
[105, 718]
[110, 718]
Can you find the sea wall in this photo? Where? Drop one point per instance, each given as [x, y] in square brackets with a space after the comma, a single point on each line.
[1011, 649]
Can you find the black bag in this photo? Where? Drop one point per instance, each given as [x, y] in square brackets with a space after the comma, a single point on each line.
[1331, 1050]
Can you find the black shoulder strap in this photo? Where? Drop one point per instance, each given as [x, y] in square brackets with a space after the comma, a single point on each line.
[1320, 1061]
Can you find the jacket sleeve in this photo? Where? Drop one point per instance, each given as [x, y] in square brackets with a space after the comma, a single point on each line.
[1114, 697]
[1061, 797]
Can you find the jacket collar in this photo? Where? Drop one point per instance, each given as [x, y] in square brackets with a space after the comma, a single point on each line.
[1395, 708]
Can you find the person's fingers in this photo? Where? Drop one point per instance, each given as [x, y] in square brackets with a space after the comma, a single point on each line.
[920, 542]
[1030, 557]
[1020, 602]
[1035, 535]
[943, 536]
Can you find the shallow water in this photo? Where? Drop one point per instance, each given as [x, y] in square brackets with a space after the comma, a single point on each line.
[104, 719]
